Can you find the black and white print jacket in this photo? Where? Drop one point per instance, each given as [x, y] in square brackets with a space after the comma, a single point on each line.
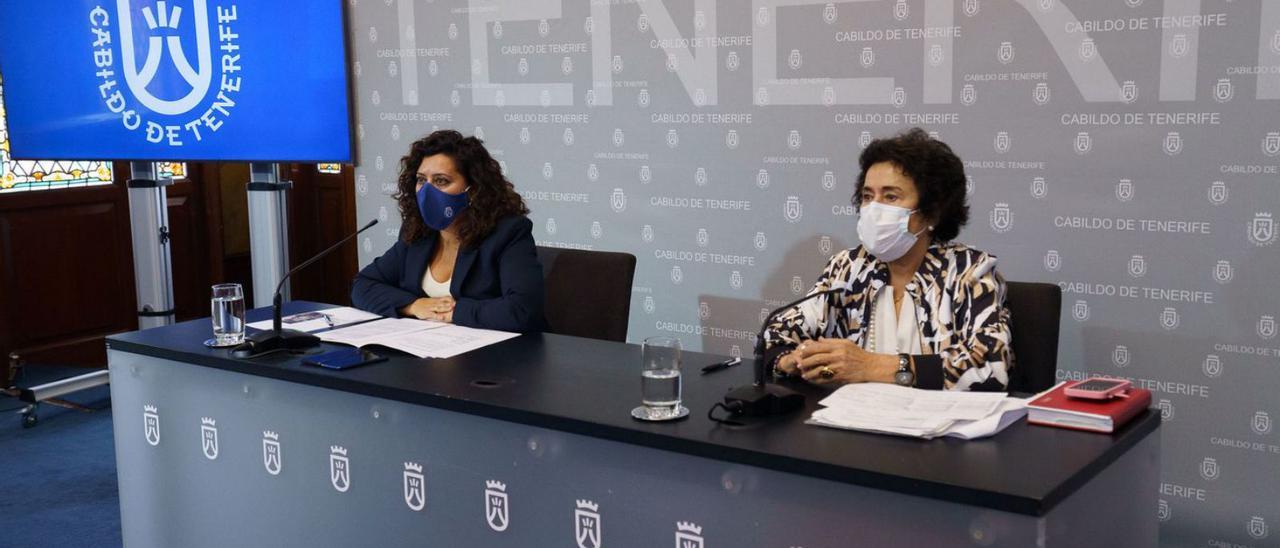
[959, 299]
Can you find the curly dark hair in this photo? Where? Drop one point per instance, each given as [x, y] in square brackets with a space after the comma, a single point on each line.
[936, 171]
[493, 197]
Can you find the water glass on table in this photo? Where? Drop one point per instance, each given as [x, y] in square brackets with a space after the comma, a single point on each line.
[660, 381]
[228, 315]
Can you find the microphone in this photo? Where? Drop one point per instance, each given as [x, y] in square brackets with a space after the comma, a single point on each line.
[762, 398]
[264, 342]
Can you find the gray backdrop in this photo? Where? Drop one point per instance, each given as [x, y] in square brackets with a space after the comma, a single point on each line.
[1127, 150]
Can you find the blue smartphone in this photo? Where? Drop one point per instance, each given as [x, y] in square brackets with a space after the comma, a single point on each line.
[345, 358]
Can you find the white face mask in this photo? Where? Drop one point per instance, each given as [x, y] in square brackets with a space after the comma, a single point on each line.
[883, 230]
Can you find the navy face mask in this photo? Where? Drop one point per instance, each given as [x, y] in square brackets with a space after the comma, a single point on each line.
[439, 208]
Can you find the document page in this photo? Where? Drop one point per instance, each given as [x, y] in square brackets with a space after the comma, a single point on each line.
[376, 332]
[892, 409]
[422, 338]
[310, 322]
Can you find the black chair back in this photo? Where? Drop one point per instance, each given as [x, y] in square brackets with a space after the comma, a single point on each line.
[1035, 313]
[588, 293]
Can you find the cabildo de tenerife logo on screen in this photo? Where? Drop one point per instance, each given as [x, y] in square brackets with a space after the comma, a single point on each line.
[163, 97]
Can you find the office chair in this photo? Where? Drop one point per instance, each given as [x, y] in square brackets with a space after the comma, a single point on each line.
[588, 293]
[1035, 312]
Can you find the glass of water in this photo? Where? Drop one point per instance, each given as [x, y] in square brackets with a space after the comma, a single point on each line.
[228, 315]
[660, 380]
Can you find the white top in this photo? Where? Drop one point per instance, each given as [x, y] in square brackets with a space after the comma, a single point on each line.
[895, 333]
[433, 288]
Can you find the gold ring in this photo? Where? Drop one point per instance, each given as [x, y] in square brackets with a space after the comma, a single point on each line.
[826, 372]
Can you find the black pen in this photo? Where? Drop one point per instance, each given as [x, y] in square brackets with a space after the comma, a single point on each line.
[721, 365]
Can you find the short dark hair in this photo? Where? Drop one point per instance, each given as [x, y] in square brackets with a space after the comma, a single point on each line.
[936, 171]
[493, 197]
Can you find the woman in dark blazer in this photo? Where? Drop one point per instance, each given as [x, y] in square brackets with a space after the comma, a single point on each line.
[466, 253]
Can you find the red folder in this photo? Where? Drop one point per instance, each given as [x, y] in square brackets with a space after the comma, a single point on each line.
[1054, 408]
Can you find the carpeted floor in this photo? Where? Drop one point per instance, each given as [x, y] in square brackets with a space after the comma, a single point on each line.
[58, 479]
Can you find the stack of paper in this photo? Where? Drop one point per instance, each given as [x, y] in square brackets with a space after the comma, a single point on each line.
[424, 339]
[318, 320]
[893, 409]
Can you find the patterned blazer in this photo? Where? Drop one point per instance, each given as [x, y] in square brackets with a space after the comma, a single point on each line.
[959, 300]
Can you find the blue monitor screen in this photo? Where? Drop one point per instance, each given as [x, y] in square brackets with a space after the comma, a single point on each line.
[175, 80]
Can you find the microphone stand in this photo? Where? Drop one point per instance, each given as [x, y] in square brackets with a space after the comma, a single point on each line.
[763, 398]
[277, 339]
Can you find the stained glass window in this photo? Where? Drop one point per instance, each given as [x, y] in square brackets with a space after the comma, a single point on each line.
[171, 170]
[25, 175]
[329, 168]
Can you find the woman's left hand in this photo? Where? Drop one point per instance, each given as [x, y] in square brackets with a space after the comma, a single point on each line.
[836, 361]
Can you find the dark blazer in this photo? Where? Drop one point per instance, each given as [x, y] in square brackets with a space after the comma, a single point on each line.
[497, 284]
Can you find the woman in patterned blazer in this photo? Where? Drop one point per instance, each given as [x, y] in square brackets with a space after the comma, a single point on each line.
[917, 309]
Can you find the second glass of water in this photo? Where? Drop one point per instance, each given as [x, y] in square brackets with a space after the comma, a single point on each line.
[660, 379]
[228, 315]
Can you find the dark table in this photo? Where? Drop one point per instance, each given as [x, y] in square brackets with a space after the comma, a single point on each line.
[550, 415]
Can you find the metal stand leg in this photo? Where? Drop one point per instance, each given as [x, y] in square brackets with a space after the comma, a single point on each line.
[152, 264]
[268, 232]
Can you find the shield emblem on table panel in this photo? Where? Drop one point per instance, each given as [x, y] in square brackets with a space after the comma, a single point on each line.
[864, 139]
[760, 241]
[646, 233]
[829, 13]
[1218, 193]
[551, 225]
[1005, 53]
[209, 437]
[596, 230]
[1083, 143]
[618, 137]
[1001, 217]
[731, 139]
[867, 58]
[643, 98]
[901, 10]
[1162, 511]
[971, 7]
[672, 63]
[1129, 91]
[1080, 311]
[544, 28]
[1261, 423]
[496, 505]
[1088, 49]
[1223, 90]
[1179, 46]
[1271, 143]
[968, 95]
[797, 285]
[415, 487]
[593, 172]
[824, 245]
[688, 535]
[673, 138]
[1257, 527]
[795, 60]
[1120, 356]
[699, 20]
[792, 209]
[649, 305]
[704, 311]
[1209, 468]
[339, 468]
[935, 55]
[793, 139]
[1137, 266]
[271, 458]
[453, 31]
[589, 25]
[735, 279]
[151, 424]
[590, 96]
[677, 275]
[567, 137]
[1267, 326]
[1262, 230]
[1041, 94]
[899, 97]
[1212, 366]
[586, 524]
[1173, 143]
[522, 66]
[618, 200]
[1124, 190]
[646, 174]
[1052, 260]
[1169, 318]
[1001, 142]
[828, 180]
[566, 65]
[731, 61]
[1038, 188]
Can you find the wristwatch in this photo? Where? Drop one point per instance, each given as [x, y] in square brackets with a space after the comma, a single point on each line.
[904, 376]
